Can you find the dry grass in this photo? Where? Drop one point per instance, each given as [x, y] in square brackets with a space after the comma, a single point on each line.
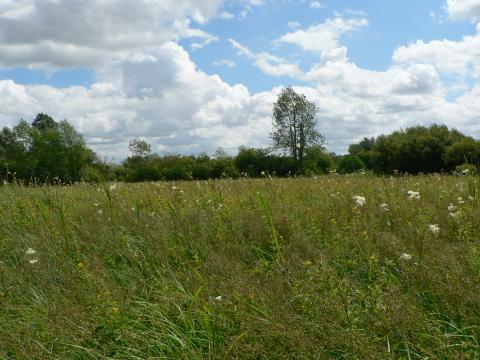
[247, 269]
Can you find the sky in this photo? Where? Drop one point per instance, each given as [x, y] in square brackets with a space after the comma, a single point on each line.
[189, 76]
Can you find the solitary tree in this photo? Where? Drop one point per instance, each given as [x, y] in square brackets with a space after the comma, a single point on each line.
[140, 148]
[294, 120]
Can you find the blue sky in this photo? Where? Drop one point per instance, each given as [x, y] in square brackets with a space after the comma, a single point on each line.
[190, 76]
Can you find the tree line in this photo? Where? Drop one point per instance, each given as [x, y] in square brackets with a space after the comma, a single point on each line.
[50, 151]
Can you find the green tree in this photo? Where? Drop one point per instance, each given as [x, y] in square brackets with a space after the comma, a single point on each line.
[43, 122]
[140, 148]
[350, 164]
[466, 151]
[294, 122]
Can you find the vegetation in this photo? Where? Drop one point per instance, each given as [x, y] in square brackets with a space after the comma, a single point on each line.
[352, 267]
[47, 151]
[44, 151]
[294, 124]
[418, 149]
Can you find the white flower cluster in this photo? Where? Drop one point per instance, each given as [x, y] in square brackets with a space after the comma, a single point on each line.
[434, 228]
[413, 195]
[30, 252]
[359, 200]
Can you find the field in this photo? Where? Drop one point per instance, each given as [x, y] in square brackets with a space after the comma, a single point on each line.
[335, 267]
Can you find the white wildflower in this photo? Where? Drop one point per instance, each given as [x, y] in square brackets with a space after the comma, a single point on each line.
[384, 207]
[30, 251]
[33, 261]
[405, 257]
[460, 200]
[100, 211]
[218, 298]
[454, 215]
[452, 207]
[465, 171]
[113, 187]
[413, 195]
[359, 200]
[471, 198]
[434, 228]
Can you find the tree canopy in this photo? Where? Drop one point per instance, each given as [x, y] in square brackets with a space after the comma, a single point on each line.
[294, 124]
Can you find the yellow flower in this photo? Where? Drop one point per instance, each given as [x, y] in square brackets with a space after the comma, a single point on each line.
[80, 265]
[307, 263]
[115, 310]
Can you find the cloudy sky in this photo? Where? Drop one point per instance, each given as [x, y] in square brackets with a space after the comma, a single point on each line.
[192, 75]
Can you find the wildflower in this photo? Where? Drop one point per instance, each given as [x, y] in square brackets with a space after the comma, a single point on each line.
[359, 200]
[81, 265]
[413, 195]
[30, 251]
[33, 261]
[454, 215]
[465, 171]
[95, 204]
[100, 211]
[174, 187]
[460, 200]
[434, 228]
[218, 298]
[471, 198]
[452, 207]
[307, 263]
[262, 173]
[115, 309]
[405, 257]
[384, 207]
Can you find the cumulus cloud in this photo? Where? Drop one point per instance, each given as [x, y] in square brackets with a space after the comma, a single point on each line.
[148, 86]
[449, 57]
[161, 96]
[463, 9]
[324, 38]
[72, 33]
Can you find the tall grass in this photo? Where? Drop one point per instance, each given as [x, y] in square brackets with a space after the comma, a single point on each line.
[246, 269]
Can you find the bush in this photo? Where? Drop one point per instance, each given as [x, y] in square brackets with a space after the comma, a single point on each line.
[350, 164]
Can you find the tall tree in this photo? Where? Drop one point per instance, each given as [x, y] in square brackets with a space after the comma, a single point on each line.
[294, 121]
[140, 148]
[44, 122]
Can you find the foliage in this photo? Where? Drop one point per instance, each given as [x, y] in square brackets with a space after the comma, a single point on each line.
[44, 151]
[350, 164]
[417, 149]
[294, 122]
[140, 148]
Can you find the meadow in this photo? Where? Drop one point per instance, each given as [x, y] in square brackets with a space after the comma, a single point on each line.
[334, 267]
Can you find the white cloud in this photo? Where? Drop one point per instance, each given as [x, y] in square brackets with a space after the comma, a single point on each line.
[463, 9]
[160, 96]
[86, 33]
[269, 64]
[449, 57]
[225, 62]
[147, 85]
[293, 24]
[226, 15]
[315, 5]
[324, 38]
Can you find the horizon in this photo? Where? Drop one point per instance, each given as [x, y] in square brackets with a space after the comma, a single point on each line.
[191, 78]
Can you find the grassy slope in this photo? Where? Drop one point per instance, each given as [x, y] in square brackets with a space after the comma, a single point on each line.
[302, 272]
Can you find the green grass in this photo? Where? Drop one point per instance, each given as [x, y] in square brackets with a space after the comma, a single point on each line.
[244, 269]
